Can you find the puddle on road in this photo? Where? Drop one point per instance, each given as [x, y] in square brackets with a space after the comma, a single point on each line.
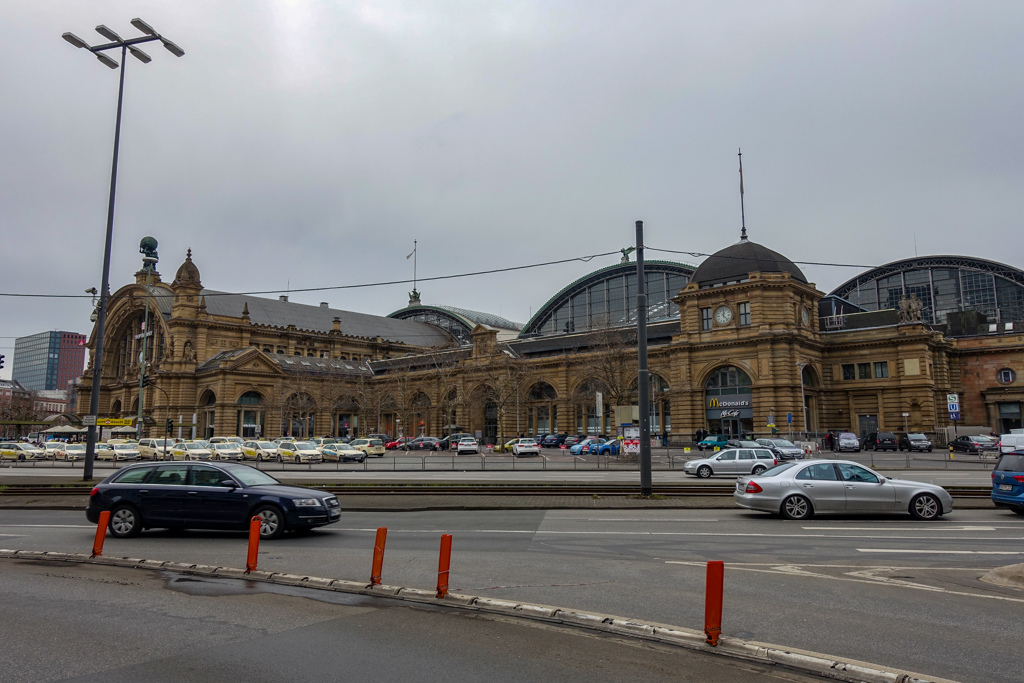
[200, 586]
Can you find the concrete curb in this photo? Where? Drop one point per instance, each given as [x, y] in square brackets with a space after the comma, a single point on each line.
[764, 653]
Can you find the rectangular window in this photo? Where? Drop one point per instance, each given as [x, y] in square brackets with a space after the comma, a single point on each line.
[863, 370]
[848, 372]
[744, 313]
[882, 369]
[705, 318]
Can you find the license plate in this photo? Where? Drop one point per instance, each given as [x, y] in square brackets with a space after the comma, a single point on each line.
[1006, 487]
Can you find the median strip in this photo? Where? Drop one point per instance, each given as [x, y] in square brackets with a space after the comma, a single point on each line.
[810, 662]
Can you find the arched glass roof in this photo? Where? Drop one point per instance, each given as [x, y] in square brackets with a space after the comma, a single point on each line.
[607, 297]
[944, 284]
[459, 322]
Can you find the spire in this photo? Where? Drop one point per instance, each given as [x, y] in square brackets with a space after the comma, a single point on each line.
[743, 217]
[245, 309]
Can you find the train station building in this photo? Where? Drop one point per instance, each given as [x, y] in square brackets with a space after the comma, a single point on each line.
[736, 345]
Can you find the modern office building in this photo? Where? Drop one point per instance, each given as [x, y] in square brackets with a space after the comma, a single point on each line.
[49, 360]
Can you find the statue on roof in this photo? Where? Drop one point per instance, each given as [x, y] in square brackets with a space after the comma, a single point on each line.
[626, 252]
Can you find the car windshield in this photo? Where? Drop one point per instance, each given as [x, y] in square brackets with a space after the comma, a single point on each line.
[917, 437]
[782, 443]
[266, 444]
[847, 435]
[124, 447]
[224, 446]
[778, 469]
[250, 476]
[74, 447]
[305, 446]
[195, 447]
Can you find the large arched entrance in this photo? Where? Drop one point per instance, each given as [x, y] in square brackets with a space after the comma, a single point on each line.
[207, 413]
[594, 413]
[251, 421]
[729, 402]
[541, 409]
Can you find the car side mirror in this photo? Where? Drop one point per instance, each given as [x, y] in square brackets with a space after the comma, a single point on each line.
[230, 483]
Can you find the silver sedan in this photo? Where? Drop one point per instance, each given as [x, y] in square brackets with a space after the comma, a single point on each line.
[797, 490]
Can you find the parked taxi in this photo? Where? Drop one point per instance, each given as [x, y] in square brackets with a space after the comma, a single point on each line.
[299, 451]
[190, 450]
[261, 450]
[342, 452]
[12, 450]
[369, 446]
[225, 450]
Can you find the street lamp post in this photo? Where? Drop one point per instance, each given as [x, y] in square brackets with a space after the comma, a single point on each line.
[803, 400]
[126, 46]
[149, 263]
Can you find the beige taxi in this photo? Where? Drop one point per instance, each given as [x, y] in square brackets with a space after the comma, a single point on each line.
[299, 451]
[190, 450]
[374, 447]
[12, 450]
[260, 451]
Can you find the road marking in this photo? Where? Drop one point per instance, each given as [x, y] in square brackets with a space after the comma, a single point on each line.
[929, 528]
[665, 533]
[941, 552]
[637, 519]
[862, 576]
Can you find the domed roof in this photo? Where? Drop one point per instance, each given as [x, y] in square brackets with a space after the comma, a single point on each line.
[737, 261]
[187, 273]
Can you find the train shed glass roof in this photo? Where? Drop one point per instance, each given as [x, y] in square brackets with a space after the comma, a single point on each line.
[607, 297]
[459, 322]
[944, 284]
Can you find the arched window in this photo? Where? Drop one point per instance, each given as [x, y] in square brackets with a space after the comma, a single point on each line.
[728, 402]
[541, 411]
[250, 415]
[589, 418]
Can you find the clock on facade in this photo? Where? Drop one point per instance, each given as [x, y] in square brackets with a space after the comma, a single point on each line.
[805, 315]
[723, 314]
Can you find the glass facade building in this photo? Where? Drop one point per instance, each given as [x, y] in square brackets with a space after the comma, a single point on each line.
[944, 284]
[49, 360]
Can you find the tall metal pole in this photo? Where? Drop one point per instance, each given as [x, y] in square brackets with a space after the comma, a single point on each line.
[101, 316]
[145, 347]
[643, 380]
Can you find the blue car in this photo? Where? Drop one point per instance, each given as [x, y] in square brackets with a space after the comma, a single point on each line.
[1008, 482]
[208, 495]
[582, 446]
[609, 447]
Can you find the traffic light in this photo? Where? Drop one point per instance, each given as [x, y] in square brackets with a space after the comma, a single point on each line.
[145, 381]
[170, 425]
[1, 360]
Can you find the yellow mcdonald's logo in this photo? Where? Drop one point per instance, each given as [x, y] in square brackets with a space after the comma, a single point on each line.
[714, 403]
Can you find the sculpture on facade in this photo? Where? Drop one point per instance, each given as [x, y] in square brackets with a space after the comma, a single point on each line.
[910, 309]
[188, 354]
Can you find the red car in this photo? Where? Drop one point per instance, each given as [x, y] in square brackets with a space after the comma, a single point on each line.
[397, 443]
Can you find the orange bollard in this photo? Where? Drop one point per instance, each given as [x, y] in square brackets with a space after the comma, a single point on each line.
[254, 544]
[378, 555]
[713, 602]
[443, 563]
[101, 533]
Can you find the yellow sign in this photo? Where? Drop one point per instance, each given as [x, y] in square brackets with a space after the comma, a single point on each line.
[717, 448]
[114, 422]
[714, 403]
[686, 450]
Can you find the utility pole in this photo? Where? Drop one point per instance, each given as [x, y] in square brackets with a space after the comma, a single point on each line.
[643, 378]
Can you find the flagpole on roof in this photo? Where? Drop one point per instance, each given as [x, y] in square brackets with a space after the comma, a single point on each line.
[743, 215]
[413, 256]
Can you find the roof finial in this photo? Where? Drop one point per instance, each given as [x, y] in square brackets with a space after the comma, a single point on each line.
[743, 217]
[188, 254]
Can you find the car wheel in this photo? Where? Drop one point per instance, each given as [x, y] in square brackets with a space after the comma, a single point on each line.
[929, 450]
[704, 472]
[1019, 511]
[926, 507]
[271, 522]
[796, 507]
[298, 460]
[125, 522]
[757, 470]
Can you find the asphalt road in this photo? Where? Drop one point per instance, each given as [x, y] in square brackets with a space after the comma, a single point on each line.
[92, 623]
[887, 590]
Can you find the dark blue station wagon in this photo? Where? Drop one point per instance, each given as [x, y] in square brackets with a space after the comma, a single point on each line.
[209, 495]
[1008, 482]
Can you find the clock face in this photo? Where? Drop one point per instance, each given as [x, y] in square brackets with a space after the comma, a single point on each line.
[723, 314]
[805, 316]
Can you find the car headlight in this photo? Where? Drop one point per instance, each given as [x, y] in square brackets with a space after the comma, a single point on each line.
[307, 503]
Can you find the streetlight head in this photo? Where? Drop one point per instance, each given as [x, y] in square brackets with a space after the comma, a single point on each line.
[172, 48]
[107, 33]
[140, 55]
[143, 26]
[75, 40]
[106, 61]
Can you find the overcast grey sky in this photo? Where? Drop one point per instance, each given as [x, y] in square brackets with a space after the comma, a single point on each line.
[307, 144]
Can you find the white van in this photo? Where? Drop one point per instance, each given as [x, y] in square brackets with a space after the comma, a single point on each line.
[1011, 442]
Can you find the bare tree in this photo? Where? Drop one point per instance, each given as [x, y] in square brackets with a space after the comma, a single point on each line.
[507, 376]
